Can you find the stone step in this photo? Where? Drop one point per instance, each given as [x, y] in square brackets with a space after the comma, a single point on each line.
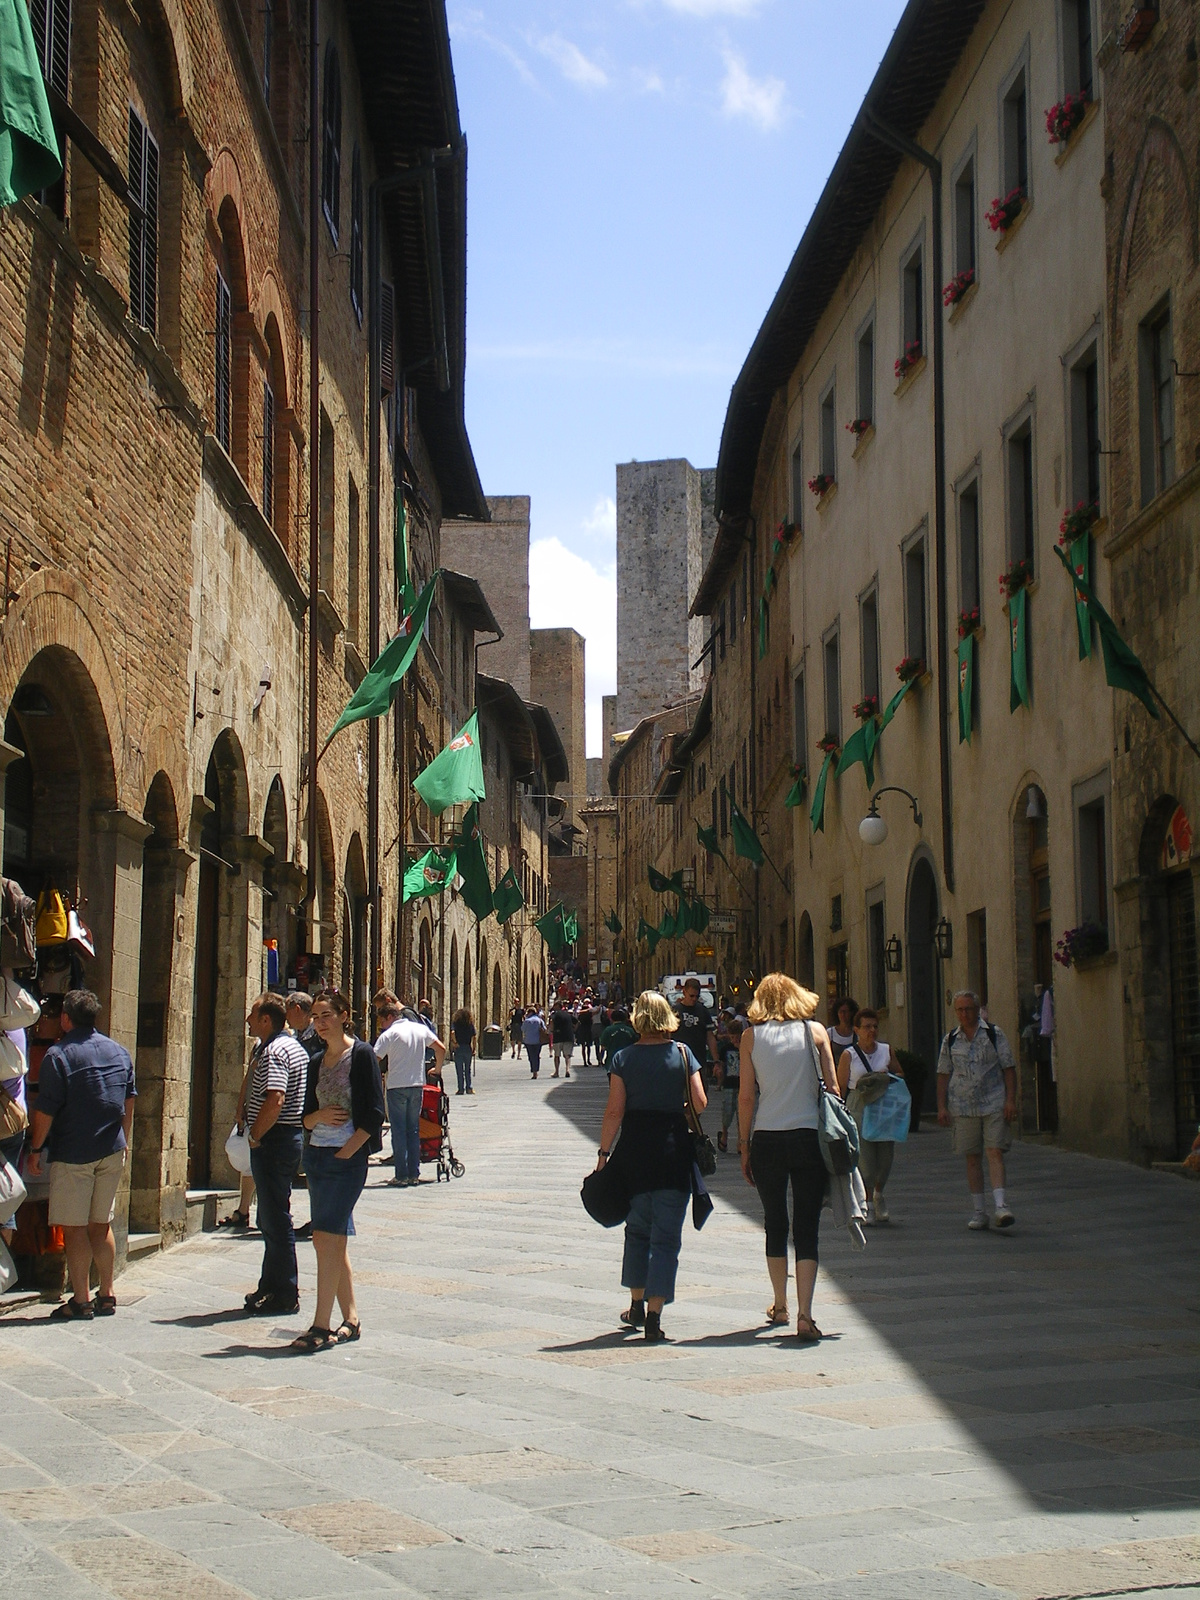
[142, 1244]
[207, 1207]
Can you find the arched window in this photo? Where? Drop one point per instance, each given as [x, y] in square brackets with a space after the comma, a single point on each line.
[356, 235]
[331, 142]
[223, 360]
[143, 230]
[268, 447]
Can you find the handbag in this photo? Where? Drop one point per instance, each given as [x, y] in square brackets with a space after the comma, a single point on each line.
[703, 1150]
[837, 1134]
[888, 1117]
[604, 1195]
[237, 1149]
[702, 1206]
[13, 1193]
[18, 926]
[79, 934]
[53, 922]
[18, 1009]
[8, 1269]
[12, 1113]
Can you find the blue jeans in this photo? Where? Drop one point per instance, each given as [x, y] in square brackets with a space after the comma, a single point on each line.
[653, 1233]
[274, 1165]
[404, 1114]
[534, 1052]
[463, 1056]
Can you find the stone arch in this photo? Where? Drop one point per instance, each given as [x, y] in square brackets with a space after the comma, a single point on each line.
[806, 967]
[497, 994]
[354, 930]
[229, 761]
[924, 969]
[277, 876]
[275, 373]
[1159, 144]
[54, 613]
[172, 33]
[225, 186]
[1153, 832]
[270, 311]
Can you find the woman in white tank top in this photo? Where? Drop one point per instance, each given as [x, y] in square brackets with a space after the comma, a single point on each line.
[841, 1025]
[781, 1053]
[864, 1056]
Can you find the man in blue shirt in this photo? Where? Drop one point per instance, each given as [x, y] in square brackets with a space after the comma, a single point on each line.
[82, 1120]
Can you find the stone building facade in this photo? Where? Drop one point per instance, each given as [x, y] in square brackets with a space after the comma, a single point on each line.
[497, 553]
[1150, 549]
[157, 459]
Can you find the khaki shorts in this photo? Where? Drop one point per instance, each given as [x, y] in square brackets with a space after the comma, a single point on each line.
[85, 1191]
[973, 1134]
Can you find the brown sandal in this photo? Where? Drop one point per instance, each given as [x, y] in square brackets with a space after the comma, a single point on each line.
[810, 1334]
[777, 1315]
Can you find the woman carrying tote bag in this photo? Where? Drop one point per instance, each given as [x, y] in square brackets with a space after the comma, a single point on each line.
[781, 1054]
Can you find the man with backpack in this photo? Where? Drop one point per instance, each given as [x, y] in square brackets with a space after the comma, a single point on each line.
[977, 1095]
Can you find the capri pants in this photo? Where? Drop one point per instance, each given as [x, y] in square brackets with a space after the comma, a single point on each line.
[777, 1157]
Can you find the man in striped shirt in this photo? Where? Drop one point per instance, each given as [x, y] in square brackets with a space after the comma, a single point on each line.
[274, 1107]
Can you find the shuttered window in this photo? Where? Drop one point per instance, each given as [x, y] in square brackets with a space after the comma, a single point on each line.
[222, 386]
[356, 236]
[268, 453]
[143, 231]
[331, 143]
[387, 338]
[51, 21]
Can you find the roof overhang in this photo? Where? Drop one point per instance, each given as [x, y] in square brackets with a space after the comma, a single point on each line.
[554, 757]
[929, 38]
[468, 599]
[505, 706]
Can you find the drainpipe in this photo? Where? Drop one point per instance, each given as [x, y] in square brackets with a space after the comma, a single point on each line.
[898, 141]
[314, 449]
[752, 755]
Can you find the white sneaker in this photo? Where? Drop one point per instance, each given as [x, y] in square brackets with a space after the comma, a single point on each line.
[882, 1214]
[869, 1214]
[978, 1221]
[1003, 1217]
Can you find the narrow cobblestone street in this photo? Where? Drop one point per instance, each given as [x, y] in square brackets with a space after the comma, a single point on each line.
[1012, 1415]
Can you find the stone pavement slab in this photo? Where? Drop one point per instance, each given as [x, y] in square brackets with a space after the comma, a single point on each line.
[990, 1415]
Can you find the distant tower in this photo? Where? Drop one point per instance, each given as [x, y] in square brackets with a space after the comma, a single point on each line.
[665, 532]
[497, 553]
[556, 681]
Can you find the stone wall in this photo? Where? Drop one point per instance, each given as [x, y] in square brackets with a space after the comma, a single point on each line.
[497, 553]
[557, 681]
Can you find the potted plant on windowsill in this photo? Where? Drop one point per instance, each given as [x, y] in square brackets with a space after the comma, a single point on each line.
[956, 289]
[830, 744]
[1003, 212]
[911, 667]
[821, 484]
[968, 622]
[1016, 575]
[1077, 522]
[1082, 944]
[906, 362]
[859, 426]
[1062, 119]
[867, 708]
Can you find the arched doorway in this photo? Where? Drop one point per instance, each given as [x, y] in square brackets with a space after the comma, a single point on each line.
[275, 919]
[483, 982]
[161, 882]
[924, 972]
[806, 964]
[1170, 978]
[354, 933]
[497, 994]
[453, 974]
[1035, 949]
[425, 961]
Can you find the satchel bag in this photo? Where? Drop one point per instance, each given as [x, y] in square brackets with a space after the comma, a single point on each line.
[887, 1118]
[53, 921]
[18, 926]
[604, 1195]
[703, 1150]
[18, 1009]
[837, 1134]
[12, 1113]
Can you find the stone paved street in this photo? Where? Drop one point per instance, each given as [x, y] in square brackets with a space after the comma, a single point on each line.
[991, 1415]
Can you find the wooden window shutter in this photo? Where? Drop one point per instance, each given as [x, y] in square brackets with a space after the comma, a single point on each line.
[387, 338]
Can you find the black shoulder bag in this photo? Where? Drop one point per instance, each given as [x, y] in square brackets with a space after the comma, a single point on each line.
[703, 1151]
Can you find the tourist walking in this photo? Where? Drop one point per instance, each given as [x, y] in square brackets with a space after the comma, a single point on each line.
[615, 1036]
[696, 1025]
[782, 1052]
[583, 1029]
[344, 1112]
[514, 1030]
[274, 1104]
[841, 1025]
[562, 1038]
[728, 1074]
[401, 1048]
[647, 1095]
[81, 1124]
[533, 1037]
[867, 1058]
[463, 1030]
[977, 1095]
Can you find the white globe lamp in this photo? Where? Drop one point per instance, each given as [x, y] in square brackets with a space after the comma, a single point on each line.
[872, 830]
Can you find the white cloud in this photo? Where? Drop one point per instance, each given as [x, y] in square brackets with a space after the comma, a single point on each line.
[632, 355]
[567, 590]
[572, 63]
[759, 99]
[713, 8]
[648, 81]
[470, 26]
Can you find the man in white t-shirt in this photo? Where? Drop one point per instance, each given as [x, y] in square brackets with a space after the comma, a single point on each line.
[401, 1048]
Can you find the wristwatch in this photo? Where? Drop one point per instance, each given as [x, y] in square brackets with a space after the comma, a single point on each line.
[603, 1152]
[36, 1149]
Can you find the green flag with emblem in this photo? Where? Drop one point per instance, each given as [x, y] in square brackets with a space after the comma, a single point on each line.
[374, 695]
[29, 156]
[552, 928]
[661, 884]
[817, 814]
[429, 874]
[745, 840]
[456, 775]
[472, 865]
[966, 687]
[507, 897]
[1018, 635]
[1081, 566]
[1122, 669]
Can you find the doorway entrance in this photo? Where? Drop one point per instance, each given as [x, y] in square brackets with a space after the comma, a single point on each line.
[204, 996]
[924, 975]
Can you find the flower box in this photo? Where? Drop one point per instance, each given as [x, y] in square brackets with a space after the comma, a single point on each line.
[821, 484]
[906, 362]
[1016, 575]
[830, 744]
[911, 667]
[1081, 944]
[1003, 212]
[958, 286]
[968, 622]
[859, 426]
[1063, 119]
[1077, 522]
[867, 708]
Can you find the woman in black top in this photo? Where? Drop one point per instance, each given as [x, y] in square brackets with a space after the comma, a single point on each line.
[344, 1113]
[464, 1049]
[647, 1094]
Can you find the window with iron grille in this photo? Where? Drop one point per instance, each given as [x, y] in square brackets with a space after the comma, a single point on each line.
[143, 231]
[356, 235]
[268, 452]
[331, 143]
[223, 381]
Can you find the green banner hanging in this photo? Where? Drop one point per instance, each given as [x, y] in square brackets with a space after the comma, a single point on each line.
[668, 927]
[1122, 669]
[406, 595]
[613, 923]
[893, 705]
[374, 695]
[966, 687]
[472, 865]
[861, 746]
[29, 155]
[697, 917]
[817, 814]
[507, 898]
[649, 934]
[1018, 633]
[552, 928]
[456, 775]
[795, 795]
[746, 842]
[429, 874]
[1081, 566]
[661, 884]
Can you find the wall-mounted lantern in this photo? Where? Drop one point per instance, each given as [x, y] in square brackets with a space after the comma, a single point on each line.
[943, 938]
[893, 955]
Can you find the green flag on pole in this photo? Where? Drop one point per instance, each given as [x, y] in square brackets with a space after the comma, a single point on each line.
[893, 705]
[406, 595]
[649, 934]
[668, 928]
[795, 795]
[507, 897]
[1081, 565]
[552, 928]
[708, 838]
[1122, 669]
[456, 775]
[373, 697]
[745, 840]
[817, 814]
[1018, 632]
[861, 746]
[613, 923]
[571, 928]
[29, 156]
[661, 884]
[966, 687]
[428, 875]
[472, 865]
[697, 916]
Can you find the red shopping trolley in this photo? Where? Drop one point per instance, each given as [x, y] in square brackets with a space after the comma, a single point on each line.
[435, 1133]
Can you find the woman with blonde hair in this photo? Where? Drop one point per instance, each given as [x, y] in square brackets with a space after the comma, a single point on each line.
[783, 1053]
[647, 1095]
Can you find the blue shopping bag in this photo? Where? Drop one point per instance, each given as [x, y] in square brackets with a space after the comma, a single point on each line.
[888, 1117]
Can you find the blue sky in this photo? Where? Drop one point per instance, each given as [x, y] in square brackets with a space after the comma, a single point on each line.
[640, 174]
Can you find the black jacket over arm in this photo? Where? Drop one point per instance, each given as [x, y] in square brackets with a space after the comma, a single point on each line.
[366, 1091]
